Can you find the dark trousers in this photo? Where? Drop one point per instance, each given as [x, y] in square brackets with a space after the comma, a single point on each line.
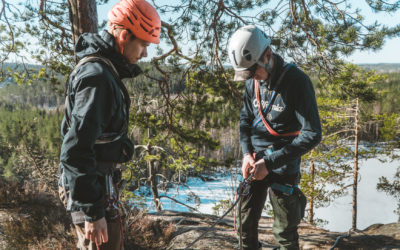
[288, 211]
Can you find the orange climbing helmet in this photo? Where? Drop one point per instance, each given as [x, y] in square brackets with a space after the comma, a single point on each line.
[139, 17]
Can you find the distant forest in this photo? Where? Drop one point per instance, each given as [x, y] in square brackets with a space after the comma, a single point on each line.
[30, 141]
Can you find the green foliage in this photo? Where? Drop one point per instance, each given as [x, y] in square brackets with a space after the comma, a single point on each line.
[32, 142]
[389, 89]
[343, 107]
[185, 106]
[390, 129]
[391, 188]
[351, 82]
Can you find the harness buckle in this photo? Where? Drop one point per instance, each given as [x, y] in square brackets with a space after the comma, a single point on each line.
[244, 186]
[284, 189]
[112, 198]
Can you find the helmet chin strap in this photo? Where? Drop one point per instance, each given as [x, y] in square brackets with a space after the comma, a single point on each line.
[121, 40]
[123, 37]
[267, 67]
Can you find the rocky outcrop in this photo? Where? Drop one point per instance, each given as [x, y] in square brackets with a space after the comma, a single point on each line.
[189, 226]
[176, 230]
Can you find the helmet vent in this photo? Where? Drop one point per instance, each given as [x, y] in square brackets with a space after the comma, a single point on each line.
[141, 12]
[130, 21]
[144, 28]
[146, 22]
[133, 14]
[247, 55]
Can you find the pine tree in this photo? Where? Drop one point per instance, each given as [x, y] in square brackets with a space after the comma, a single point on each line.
[315, 34]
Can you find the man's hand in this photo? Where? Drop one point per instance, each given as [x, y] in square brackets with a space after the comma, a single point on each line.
[259, 170]
[96, 231]
[247, 163]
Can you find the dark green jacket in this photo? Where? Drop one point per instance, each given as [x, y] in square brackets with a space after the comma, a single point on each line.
[95, 107]
[294, 109]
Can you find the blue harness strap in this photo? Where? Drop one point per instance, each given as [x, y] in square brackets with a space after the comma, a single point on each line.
[288, 190]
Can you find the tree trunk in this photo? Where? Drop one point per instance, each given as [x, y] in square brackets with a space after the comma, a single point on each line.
[311, 213]
[355, 172]
[376, 111]
[153, 183]
[398, 210]
[152, 177]
[83, 17]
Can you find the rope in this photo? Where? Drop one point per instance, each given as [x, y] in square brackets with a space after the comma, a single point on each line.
[243, 190]
[339, 238]
[213, 225]
[337, 241]
[122, 232]
[240, 224]
[234, 216]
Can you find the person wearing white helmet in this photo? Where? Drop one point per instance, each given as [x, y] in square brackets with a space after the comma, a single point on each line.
[279, 122]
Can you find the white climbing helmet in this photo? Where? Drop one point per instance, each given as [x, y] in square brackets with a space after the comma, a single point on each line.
[245, 48]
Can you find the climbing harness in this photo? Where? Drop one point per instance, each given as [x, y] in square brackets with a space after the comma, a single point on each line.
[264, 112]
[113, 205]
[274, 94]
[107, 137]
[242, 190]
[286, 189]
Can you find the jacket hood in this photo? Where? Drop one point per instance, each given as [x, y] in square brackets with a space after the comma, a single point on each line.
[104, 45]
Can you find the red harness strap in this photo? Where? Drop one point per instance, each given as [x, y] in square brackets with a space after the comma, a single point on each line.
[270, 130]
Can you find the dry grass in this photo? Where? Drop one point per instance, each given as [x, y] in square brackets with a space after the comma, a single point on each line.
[38, 220]
[145, 233]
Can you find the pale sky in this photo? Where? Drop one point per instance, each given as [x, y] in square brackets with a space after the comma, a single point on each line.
[390, 52]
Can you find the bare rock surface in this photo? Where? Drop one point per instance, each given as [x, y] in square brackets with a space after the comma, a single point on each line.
[189, 226]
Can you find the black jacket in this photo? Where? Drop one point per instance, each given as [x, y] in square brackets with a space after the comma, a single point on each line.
[96, 106]
[294, 109]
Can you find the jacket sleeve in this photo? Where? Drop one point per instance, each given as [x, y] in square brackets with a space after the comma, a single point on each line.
[306, 111]
[246, 119]
[89, 116]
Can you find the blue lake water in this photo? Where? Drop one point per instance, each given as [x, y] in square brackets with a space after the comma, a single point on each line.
[373, 206]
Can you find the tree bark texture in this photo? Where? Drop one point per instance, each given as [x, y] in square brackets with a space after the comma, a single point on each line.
[83, 17]
[154, 188]
[355, 170]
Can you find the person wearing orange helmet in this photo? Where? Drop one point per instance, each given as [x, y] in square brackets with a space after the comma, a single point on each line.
[95, 124]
